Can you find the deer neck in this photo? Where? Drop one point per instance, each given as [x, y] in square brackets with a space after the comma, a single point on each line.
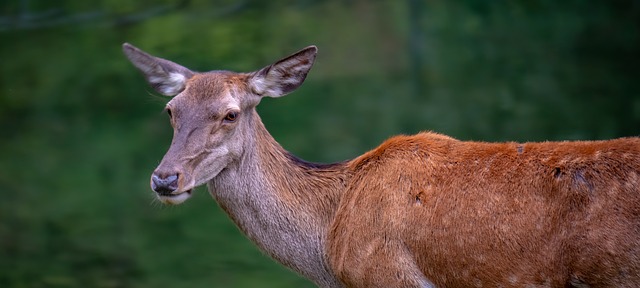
[283, 204]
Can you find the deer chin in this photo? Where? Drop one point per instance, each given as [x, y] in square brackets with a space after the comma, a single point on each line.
[174, 199]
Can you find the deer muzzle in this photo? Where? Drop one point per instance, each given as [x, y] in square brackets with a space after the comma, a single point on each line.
[164, 185]
[168, 187]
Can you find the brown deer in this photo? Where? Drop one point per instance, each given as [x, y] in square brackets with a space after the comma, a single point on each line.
[418, 211]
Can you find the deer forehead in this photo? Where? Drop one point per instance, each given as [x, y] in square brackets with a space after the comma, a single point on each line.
[219, 90]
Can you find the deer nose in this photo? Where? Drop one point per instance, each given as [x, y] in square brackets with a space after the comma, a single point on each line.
[164, 185]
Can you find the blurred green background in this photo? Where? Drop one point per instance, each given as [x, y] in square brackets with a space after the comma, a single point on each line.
[80, 131]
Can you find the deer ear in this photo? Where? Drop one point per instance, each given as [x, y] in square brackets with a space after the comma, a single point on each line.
[284, 76]
[164, 76]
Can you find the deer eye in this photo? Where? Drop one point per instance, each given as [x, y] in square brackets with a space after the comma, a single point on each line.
[231, 117]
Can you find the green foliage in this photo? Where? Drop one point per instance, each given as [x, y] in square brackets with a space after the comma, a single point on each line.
[80, 132]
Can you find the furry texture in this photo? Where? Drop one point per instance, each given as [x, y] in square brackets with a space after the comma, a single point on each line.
[465, 214]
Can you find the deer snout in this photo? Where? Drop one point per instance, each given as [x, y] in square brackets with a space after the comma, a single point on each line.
[164, 184]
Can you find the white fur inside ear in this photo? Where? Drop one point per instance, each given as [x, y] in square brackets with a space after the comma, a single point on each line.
[169, 85]
[263, 86]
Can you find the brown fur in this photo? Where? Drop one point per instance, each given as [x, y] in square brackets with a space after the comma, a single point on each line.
[491, 214]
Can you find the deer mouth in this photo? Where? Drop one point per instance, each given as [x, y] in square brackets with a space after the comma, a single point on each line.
[174, 198]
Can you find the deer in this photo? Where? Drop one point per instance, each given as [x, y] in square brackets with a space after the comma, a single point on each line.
[423, 210]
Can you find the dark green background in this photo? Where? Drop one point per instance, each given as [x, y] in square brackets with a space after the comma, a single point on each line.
[80, 131]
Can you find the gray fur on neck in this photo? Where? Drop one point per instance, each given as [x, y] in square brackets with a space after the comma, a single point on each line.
[259, 193]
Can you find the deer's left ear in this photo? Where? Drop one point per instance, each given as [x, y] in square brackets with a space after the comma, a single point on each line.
[284, 76]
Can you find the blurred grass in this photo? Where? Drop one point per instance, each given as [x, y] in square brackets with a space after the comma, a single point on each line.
[80, 132]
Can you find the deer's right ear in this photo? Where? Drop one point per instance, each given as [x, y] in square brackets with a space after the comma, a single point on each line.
[284, 76]
[164, 76]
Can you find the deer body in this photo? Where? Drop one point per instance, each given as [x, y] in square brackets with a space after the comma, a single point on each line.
[418, 211]
[470, 214]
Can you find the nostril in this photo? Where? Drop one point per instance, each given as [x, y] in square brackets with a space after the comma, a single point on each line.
[171, 179]
[165, 185]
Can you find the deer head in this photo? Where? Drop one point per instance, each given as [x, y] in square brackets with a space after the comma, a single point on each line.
[211, 115]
